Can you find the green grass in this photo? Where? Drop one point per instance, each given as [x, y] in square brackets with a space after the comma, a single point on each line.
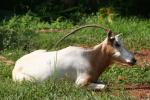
[136, 36]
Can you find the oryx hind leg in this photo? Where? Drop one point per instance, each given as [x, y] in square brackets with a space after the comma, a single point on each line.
[19, 77]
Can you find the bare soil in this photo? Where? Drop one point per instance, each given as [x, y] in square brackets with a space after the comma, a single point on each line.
[140, 91]
[6, 60]
[135, 91]
[143, 57]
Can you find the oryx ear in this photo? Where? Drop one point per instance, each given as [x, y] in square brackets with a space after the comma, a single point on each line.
[110, 36]
[117, 36]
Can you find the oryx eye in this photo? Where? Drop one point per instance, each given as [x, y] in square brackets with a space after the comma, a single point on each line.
[117, 44]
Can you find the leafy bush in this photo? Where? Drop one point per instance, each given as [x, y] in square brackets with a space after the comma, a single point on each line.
[19, 31]
[10, 38]
[73, 9]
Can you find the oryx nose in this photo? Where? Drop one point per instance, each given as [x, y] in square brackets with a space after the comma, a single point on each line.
[133, 61]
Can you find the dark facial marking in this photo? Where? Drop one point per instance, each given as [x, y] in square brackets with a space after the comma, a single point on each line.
[117, 45]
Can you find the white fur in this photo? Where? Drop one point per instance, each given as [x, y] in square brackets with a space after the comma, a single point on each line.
[71, 61]
[40, 64]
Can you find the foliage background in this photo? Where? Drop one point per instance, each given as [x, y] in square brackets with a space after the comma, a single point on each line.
[28, 25]
[52, 9]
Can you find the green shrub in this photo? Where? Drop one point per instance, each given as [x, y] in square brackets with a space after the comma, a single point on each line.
[19, 31]
[10, 38]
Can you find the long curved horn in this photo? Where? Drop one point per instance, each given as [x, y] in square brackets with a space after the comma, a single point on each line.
[79, 28]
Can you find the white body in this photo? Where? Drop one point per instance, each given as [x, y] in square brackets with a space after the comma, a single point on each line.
[40, 65]
[84, 66]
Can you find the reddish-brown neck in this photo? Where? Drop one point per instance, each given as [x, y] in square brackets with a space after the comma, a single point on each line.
[100, 59]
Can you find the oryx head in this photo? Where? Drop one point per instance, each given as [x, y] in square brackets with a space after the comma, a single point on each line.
[119, 52]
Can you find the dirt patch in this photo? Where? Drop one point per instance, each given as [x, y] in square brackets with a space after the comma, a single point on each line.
[143, 57]
[140, 94]
[6, 60]
[135, 91]
[53, 30]
[140, 91]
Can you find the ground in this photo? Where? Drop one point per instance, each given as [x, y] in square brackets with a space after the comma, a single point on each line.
[22, 34]
[143, 57]
[140, 91]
